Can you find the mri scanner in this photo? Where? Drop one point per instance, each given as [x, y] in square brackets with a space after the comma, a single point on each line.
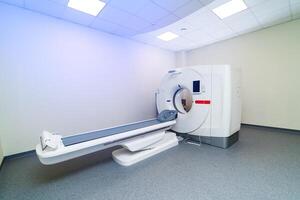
[201, 103]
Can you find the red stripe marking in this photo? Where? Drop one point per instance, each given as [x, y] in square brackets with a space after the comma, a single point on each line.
[202, 102]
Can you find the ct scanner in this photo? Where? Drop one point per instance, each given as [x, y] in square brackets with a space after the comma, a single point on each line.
[201, 103]
[208, 102]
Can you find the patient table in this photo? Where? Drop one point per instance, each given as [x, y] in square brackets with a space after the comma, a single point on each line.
[139, 141]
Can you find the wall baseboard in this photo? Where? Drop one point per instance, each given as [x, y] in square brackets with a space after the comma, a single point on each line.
[19, 155]
[1, 163]
[15, 156]
[285, 130]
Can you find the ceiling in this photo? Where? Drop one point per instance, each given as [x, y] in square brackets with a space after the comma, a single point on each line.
[203, 27]
[144, 20]
[121, 17]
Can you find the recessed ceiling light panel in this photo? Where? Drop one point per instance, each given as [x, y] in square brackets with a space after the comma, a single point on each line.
[167, 36]
[92, 7]
[230, 8]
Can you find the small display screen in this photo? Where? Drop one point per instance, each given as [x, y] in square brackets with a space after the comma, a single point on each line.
[196, 86]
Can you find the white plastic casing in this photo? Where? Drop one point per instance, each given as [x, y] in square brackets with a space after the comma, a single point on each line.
[220, 84]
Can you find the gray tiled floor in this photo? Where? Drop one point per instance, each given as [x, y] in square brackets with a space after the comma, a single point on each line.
[264, 164]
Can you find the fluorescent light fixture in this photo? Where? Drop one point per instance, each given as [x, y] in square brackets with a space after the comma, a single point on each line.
[167, 36]
[92, 7]
[230, 8]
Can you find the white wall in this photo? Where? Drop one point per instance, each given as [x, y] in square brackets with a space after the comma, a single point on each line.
[180, 58]
[67, 78]
[1, 153]
[270, 65]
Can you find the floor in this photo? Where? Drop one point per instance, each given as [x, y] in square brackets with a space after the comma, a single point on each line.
[264, 164]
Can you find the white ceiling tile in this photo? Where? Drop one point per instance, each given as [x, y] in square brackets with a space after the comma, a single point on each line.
[208, 23]
[225, 36]
[153, 32]
[199, 44]
[219, 32]
[199, 36]
[123, 18]
[177, 28]
[63, 2]
[171, 5]
[14, 2]
[295, 1]
[104, 25]
[179, 44]
[165, 21]
[125, 32]
[272, 12]
[188, 8]
[275, 17]
[147, 29]
[277, 21]
[251, 3]
[131, 6]
[216, 3]
[158, 32]
[153, 40]
[205, 2]
[134, 23]
[269, 6]
[201, 19]
[180, 41]
[46, 7]
[249, 30]
[146, 38]
[152, 12]
[188, 47]
[112, 14]
[295, 10]
[78, 17]
[242, 21]
[205, 22]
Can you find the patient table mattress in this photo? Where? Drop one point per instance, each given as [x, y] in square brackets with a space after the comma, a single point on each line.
[75, 139]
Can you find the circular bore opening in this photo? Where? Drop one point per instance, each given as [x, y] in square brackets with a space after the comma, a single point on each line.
[183, 100]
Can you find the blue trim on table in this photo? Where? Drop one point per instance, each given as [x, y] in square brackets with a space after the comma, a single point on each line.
[84, 137]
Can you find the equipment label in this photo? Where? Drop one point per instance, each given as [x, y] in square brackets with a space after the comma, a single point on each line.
[202, 102]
